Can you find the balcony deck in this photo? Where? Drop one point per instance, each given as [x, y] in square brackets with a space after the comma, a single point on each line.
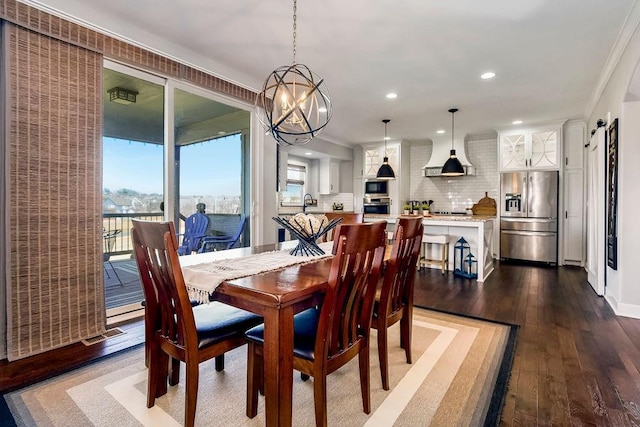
[130, 291]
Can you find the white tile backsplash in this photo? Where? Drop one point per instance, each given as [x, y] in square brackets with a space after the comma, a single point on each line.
[456, 194]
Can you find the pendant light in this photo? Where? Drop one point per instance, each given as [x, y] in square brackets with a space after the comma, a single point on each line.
[452, 167]
[385, 171]
[294, 104]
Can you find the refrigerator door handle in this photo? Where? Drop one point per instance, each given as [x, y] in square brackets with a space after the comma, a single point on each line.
[529, 233]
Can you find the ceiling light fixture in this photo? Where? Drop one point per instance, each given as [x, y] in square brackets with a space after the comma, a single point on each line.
[122, 96]
[385, 171]
[294, 104]
[392, 95]
[452, 166]
[488, 75]
[517, 122]
[440, 131]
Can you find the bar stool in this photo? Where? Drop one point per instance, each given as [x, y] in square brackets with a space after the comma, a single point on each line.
[436, 239]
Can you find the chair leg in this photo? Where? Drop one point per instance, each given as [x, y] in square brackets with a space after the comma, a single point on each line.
[174, 375]
[116, 273]
[365, 381]
[253, 381]
[320, 398]
[383, 355]
[155, 376]
[444, 257]
[220, 363]
[405, 331]
[191, 394]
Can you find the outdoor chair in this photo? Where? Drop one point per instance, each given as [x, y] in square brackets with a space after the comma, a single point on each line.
[327, 337]
[109, 240]
[195, 228]
[394, 301]
[226, 230]
[174, 330]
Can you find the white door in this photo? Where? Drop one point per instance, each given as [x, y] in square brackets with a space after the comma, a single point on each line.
[595, 212]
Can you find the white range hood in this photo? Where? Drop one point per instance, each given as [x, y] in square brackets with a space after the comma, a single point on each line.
[440, 154]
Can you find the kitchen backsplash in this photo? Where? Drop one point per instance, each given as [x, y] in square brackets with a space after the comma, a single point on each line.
[460, 193]
[325, 203]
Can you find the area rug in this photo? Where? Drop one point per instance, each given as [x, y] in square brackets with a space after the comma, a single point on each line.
[458, 377]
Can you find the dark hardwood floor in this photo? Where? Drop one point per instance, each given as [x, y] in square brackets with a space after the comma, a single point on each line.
[576, 363]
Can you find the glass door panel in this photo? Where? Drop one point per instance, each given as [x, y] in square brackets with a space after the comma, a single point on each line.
[133, 153]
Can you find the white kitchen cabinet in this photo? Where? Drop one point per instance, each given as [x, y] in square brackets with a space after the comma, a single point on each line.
[373, 156]
[531, 149]
[574, 193]
[329, 179]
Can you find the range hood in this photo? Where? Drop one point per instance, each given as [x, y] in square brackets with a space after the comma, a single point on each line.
[440, 154]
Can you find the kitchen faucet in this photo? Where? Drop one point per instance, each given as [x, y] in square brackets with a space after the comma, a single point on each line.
[304, 202]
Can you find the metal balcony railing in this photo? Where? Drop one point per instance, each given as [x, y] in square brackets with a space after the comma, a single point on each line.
[122, 222]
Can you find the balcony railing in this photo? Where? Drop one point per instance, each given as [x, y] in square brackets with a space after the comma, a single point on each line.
[122, 222]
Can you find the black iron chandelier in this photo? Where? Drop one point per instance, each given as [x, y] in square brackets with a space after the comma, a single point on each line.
[294, 104]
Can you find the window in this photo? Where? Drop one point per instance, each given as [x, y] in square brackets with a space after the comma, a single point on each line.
[295, 190]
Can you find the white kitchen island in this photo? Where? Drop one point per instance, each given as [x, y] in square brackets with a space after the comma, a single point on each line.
[477, 230]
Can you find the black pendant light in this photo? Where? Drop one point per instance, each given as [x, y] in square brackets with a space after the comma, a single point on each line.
[452, 167]
[385, 171]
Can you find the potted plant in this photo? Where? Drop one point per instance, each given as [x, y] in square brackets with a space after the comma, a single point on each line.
[407, 208]
[425, 208]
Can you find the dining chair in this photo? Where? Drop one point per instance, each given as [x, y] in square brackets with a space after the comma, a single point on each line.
[327, 337]
[195, 228]
[347, 218]
[176, 331]
[394, 300]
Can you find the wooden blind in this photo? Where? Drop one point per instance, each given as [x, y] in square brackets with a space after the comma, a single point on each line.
[55, 292]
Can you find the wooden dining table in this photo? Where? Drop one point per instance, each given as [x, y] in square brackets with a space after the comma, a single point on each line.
[277, 295]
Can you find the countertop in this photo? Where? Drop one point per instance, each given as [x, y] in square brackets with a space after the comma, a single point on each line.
[437, 218]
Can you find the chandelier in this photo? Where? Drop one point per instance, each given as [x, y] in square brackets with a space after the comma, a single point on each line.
[294, 104]
[385, 171]
[452, 166]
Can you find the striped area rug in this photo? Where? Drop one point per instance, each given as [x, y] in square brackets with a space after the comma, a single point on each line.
[458, 377]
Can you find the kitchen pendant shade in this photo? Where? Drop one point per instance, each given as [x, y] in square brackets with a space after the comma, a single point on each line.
[452, 166]
[385, 171]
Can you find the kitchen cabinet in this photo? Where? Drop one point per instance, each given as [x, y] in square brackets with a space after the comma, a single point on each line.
[329, 179]
[531, 149]
[373, 156]
[574, 193]
[398, 153]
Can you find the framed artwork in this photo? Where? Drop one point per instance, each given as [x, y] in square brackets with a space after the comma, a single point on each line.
[612, 196]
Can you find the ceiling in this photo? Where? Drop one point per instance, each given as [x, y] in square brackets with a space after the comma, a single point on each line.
[549, 55]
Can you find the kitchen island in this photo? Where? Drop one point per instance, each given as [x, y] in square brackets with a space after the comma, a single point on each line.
[477, 230]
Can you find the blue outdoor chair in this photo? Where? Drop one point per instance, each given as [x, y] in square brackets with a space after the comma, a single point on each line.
[195, 228]
[229, 232]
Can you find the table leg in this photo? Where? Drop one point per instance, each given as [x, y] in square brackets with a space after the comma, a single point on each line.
[278, 365]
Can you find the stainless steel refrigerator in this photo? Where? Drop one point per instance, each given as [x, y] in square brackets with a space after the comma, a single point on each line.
[529, 216]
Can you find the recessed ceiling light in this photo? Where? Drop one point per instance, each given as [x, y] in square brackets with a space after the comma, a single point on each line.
[440, 131]
[222, 132]
[488, 75]
[392, 95]
[308, 153]
[517, 122]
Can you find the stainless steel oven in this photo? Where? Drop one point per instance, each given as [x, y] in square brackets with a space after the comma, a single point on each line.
[377, 205]
[376, 188]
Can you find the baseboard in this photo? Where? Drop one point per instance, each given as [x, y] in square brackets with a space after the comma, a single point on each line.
[626, 310]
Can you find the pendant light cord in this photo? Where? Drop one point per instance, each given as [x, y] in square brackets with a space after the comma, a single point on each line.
[295, 9]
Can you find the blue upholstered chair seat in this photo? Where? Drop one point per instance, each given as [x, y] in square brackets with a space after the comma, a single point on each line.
[217, 321]
[305, 327]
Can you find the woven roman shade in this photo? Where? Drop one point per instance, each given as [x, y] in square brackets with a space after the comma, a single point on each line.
[55, 293]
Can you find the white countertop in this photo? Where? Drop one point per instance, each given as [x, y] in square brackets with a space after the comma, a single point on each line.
[436, 218]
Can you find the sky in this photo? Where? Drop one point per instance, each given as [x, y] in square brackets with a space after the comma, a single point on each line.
[210, 168]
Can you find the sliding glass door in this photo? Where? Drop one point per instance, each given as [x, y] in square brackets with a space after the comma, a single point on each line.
[167, 148]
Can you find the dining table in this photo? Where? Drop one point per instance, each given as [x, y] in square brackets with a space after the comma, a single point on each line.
[276, 295]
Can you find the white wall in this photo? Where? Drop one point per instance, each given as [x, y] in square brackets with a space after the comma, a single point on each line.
[622, 287]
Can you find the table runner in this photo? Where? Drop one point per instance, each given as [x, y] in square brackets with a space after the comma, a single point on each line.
[203, 279]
